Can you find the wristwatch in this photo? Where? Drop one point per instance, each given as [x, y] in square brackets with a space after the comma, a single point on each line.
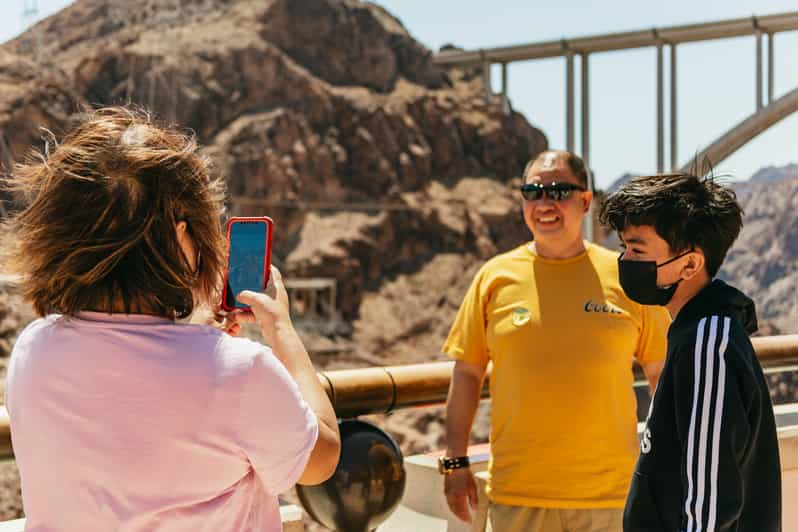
[448, 464]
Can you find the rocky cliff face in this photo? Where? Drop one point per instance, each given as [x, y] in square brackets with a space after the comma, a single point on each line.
[764, 260]
[304, 105]
[775, 174]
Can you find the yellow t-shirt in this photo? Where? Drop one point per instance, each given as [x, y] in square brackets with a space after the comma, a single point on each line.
[562, 336]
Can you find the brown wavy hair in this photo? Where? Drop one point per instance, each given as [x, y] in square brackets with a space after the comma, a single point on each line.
[99, 228]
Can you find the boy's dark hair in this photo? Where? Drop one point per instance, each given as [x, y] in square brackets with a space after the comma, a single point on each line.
[574, 162]
[685, 210]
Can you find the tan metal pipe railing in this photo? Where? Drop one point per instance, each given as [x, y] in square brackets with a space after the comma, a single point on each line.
[771, 349]
[377, 390]
[356, 392]
[723, 29]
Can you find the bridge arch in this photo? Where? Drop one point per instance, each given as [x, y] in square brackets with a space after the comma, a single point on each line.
[742, 133]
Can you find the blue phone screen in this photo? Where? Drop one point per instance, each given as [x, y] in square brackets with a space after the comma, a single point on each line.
[246, 261]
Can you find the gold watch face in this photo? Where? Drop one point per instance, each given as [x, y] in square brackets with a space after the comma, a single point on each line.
[442, 466]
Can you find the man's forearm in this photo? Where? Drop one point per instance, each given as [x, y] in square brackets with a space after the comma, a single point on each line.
[461, 407]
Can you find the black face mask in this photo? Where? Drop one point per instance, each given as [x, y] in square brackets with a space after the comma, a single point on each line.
[639, 281]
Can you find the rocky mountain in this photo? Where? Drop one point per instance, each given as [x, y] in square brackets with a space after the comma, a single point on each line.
[764, 260]
[319, 112]
[775, 173]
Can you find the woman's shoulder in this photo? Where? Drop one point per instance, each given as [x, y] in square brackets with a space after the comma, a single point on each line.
[38, 329]
[227, 345]
[240, 354]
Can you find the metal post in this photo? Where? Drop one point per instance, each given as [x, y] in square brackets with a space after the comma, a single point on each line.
[569, 101]
[589, 227]
[674, 150]
[586, 109]
[486, 81]
[312, 303]
[6, 166]
[505, 100]
[6, 160]
[771, 67]
[660, 113]
[588, 224]
[758, 70]
[333, 309]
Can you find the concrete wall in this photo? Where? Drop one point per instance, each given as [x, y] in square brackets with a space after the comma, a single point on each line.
[424, 506]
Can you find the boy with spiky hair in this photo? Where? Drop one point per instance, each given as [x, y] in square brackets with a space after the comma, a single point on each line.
[709, 456]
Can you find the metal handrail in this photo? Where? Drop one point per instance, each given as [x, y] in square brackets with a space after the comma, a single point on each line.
[380, 390]
[704, 31]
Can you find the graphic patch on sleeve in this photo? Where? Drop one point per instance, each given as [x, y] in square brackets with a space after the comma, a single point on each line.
[520, 316]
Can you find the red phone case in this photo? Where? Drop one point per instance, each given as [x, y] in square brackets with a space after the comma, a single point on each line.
[267, 259]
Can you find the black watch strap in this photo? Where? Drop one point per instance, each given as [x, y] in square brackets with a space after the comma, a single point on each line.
[448, 464]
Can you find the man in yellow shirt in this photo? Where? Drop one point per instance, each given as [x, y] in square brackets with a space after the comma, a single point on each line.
[562, 335]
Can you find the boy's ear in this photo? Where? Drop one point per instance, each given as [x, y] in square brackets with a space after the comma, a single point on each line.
[694, 265]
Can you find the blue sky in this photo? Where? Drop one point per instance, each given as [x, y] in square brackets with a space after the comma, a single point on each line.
[716, 86]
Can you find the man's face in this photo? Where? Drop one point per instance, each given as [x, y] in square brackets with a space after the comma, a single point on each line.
[551, 220]
[641, 242]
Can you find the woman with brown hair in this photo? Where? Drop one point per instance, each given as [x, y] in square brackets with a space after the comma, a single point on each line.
[122, 416]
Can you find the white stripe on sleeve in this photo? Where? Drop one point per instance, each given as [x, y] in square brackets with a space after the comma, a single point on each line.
[706, 401]
[690, 441]
[713, 494]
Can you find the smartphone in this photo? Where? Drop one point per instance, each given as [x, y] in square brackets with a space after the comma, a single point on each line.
[249, 258]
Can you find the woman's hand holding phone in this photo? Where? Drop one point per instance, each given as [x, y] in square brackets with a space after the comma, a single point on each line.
[269, 309]
[248, 258]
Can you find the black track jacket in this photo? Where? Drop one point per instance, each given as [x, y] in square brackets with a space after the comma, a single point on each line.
[709, 456]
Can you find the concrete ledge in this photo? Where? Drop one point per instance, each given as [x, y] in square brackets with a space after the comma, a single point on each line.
[788, 451]
[290, 514]
[17, 525]
[292, 518]
[424, 505]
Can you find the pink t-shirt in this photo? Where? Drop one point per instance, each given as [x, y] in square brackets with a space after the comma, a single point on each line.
[133, 423]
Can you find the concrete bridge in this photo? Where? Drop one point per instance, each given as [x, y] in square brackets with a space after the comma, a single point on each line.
[766, 113]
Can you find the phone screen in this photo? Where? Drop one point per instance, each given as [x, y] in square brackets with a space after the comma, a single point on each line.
[247, 259]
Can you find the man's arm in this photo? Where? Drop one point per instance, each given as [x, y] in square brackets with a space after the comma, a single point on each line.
[652, 371]
[652, 346]
[461, 407]
[713, 427]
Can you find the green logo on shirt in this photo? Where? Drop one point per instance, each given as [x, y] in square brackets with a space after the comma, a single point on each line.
[520, 316]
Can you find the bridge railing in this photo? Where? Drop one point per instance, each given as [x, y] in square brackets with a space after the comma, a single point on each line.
[609, 42]
[380, 390]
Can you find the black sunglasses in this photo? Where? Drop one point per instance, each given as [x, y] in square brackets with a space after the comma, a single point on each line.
[554, 191]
